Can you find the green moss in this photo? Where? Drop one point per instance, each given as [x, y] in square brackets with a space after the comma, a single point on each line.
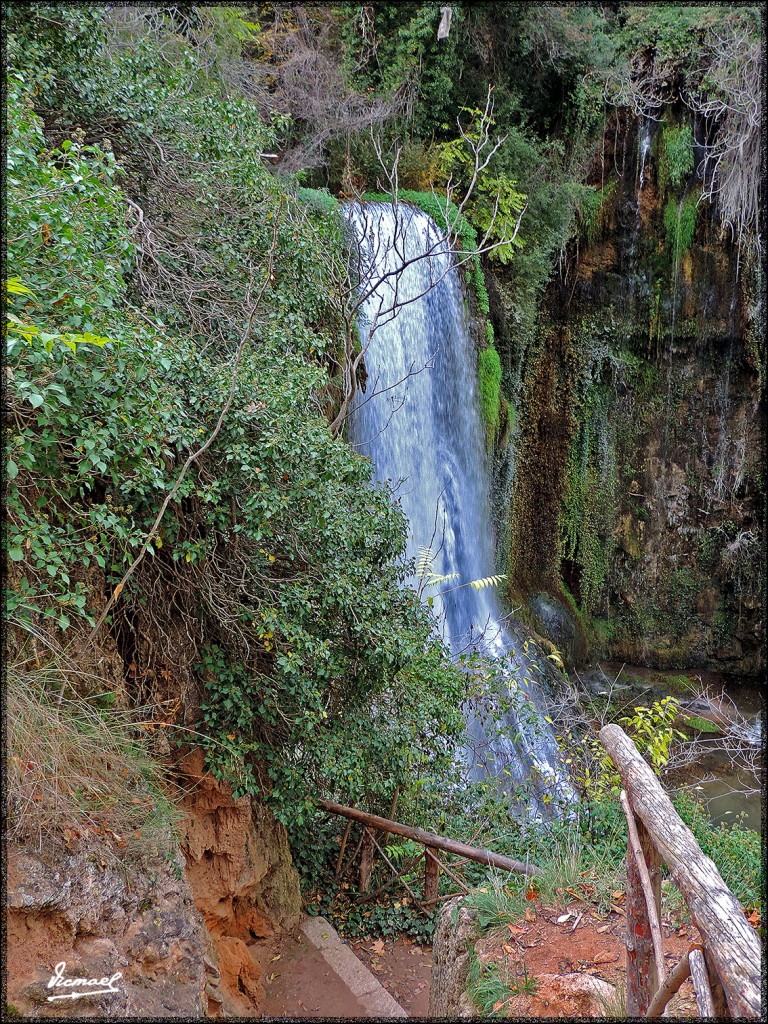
[594, 208]
[680, 224]
[489, 379]
[701, 725]
[589, 504]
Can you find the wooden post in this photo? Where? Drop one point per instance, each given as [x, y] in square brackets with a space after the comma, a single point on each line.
[642, 967]
[701, 983]
[731, 945]
[670, 987]
[342, 848]
[366, 861]
[646, 970]
[431, 876]
[719, 1001]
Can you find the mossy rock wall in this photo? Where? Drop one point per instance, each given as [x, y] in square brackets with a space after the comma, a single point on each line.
[639, 462]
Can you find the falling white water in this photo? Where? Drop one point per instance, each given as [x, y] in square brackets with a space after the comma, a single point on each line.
[419, 422]
[645, 148]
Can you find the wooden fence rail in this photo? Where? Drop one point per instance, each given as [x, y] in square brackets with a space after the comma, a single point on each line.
[726, 967]
[432, 865]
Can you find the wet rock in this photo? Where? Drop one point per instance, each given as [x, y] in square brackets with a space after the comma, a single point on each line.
[554, 620]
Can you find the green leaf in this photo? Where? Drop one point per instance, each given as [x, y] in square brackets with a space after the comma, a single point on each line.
[35, 400]
[16, 554]
[11, 469]
[15, 287]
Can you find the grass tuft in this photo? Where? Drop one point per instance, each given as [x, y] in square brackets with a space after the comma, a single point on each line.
[79, 767]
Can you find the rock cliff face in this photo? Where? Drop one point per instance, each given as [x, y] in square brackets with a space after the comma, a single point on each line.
[240, 871]
[100, 920]
[637, 500]
[177, 928]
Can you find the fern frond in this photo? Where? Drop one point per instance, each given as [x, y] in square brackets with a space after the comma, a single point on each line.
[424, 562]
[555, 656]
[487, 581]
[433, 579]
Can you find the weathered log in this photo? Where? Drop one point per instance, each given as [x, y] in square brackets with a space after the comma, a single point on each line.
[732, 947]
[701, 984]
[418, 835]
[645, 951]
[669, 987]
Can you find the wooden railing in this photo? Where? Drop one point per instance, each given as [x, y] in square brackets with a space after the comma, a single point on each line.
[430, 842]
[725, 967]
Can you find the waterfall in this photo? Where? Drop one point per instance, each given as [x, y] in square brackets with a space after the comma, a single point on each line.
[419, 422]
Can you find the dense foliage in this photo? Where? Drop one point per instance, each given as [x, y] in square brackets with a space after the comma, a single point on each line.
[314, 668]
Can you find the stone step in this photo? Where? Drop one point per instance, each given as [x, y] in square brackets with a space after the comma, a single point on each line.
[366, 988]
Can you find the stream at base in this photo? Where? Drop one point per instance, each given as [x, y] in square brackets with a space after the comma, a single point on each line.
[721, 774]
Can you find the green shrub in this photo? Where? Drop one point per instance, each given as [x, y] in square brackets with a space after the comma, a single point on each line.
[735, 849]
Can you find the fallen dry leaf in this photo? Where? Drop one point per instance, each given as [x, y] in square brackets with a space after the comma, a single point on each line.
[530, 914]
[515, 929]
[606, 958]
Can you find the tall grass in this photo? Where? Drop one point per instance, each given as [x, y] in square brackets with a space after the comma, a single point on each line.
[77, 765]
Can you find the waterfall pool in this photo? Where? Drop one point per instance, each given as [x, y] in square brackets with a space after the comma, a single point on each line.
[727, 771]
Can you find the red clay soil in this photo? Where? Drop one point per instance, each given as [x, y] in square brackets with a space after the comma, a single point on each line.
[538, 947]
[299, 983]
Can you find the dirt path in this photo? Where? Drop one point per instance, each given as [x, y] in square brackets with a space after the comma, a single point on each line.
[298, 982]
[403, 967]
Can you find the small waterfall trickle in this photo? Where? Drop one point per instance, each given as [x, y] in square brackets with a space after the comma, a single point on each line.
[419, 422]
[646, 136]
